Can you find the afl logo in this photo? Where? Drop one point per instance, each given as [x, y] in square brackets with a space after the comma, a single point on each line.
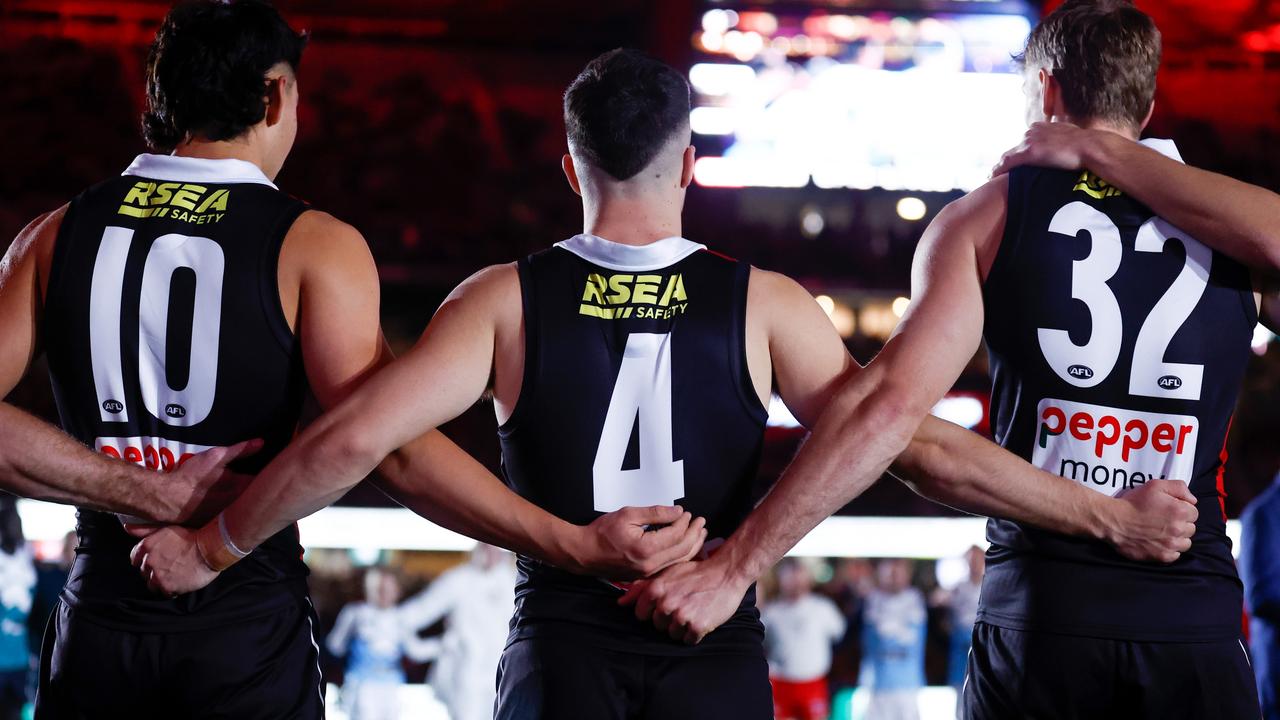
[1170, 382]
[1083, 372]
[175, 410]
[112, 406]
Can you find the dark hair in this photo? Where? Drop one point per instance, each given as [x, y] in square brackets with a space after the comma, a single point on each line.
[11, 536]
[622, 108]
[207, 69]
[1104, 54]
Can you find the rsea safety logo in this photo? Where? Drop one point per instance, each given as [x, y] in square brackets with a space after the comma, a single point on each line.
[1095, 187]
[624, 295]
[185, 202]
[1110, 449]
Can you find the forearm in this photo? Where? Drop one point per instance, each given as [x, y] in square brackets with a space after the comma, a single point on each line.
[951, 465]
[40, 462]
[1235, 218]
[314, 471]
[856, 438]
[436, 479]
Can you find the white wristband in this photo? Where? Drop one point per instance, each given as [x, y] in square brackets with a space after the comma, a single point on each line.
[226, 539]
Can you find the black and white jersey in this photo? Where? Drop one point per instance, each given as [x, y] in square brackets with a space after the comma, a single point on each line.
[165, 338]
[636, 392]
[1118, 344]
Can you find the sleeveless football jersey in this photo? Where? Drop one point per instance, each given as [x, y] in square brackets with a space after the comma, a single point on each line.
[636, 392]
[165, 337]
[1118, 344]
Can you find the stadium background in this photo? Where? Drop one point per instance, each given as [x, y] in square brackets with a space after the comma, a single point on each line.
[434, 127]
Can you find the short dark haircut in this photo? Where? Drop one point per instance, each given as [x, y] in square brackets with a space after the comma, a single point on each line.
[207, 69]
[1104, 54]
[623, 108]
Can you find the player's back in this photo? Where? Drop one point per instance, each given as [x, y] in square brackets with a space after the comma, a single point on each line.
[1118, 345]
[636, 392]
[165, 337]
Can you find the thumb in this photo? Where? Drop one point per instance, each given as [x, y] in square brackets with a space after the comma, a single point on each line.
[1178, 489]
[655, 514]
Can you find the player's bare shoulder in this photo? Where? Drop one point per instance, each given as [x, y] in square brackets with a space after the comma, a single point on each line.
[34, 243]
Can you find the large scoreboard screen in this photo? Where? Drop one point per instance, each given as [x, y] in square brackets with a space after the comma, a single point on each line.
[918, 95]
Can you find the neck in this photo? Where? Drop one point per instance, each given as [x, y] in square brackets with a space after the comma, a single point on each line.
[635, 220]
[221, 150]
[1106, 125]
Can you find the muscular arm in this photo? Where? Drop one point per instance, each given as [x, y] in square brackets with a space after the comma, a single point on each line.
[445, 373]
[38, 461]
[872, 418]
[876, 411]
[1235, 218]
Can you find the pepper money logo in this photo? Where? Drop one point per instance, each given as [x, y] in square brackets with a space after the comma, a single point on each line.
[624, 295]
[1110, 449]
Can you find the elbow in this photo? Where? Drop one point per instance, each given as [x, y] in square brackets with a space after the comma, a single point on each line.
[893, 413]
[345, 453]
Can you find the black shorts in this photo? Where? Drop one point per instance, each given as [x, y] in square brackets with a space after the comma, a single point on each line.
[1015, 675]
[550, 678]
[263, 668]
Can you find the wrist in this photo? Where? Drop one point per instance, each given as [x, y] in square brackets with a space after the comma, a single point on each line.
[569, 549]
[215, 546]
[1100, 150]
[738, 569]
[1106, 517]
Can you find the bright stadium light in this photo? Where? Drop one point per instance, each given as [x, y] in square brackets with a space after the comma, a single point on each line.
[911, 208]
[899, 306]
[826, 303]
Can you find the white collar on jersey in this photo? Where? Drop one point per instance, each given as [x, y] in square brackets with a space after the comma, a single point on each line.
[173, 168]
[616, 256]
[1166, 148]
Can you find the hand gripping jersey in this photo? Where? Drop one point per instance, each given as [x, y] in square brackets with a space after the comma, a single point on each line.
[166, 337]
[635, 392]
[1118, 344]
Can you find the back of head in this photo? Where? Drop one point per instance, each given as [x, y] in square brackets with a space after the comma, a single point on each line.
[623, 109]
[207, 69]
[1104, 55]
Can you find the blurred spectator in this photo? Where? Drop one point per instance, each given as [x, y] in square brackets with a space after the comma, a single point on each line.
[800, 629]
[1260, 571]
[852, 582]
[893, 640]
[962, 603]
[17, 585]
[476, 600]
[374, 636]
[50, 577]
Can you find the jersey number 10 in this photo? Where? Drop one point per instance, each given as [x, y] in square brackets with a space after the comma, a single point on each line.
[177, 407]
[643, 390]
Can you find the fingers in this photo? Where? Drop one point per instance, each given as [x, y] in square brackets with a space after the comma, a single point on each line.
[644, 606]
[1178, 489]
[654, 514]
[138, 556]
[684, 547]
[140, 530]
[633, 592]
[239, 450]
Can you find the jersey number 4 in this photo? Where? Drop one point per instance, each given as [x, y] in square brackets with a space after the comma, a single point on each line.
[181, 407]
[641, 395]
[1089, 364]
